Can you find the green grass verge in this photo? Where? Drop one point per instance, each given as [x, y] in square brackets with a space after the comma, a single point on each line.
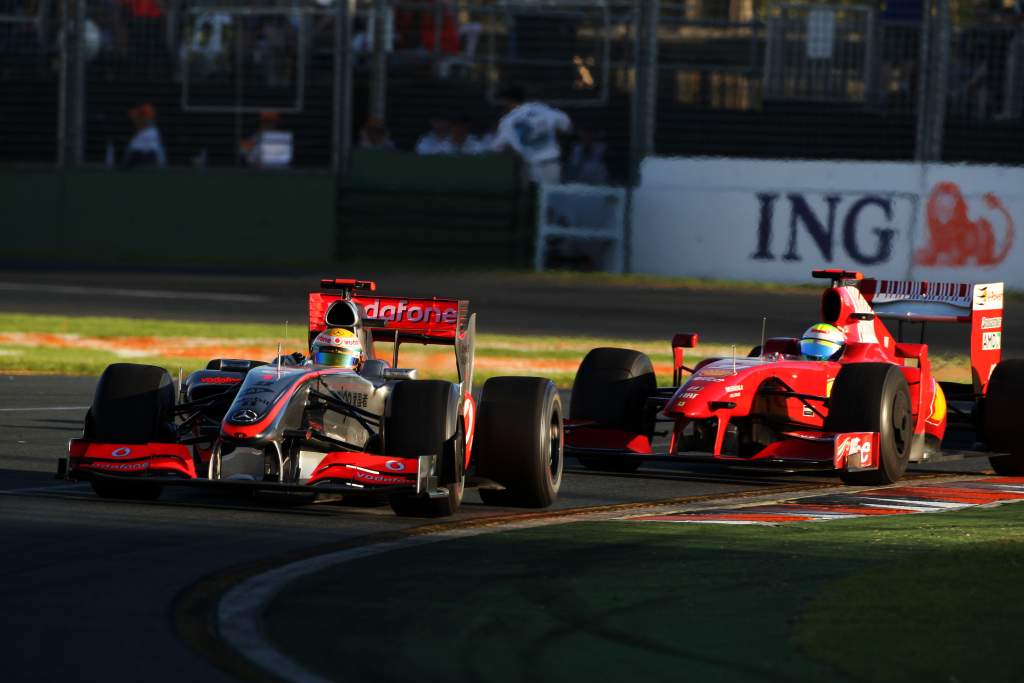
[916, 598]
[24, 358]
[517, 352]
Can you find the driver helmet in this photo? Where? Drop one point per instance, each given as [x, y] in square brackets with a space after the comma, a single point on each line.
[822, 342]
[337, 347]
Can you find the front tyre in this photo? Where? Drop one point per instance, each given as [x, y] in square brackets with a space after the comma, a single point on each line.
[874, 397]
[1001, 425]
[611, 388]
[417, 426]
[133, 403]
[519, 441]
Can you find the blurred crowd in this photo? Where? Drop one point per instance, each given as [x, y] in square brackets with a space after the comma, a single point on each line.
[159, 36]
[532, 130]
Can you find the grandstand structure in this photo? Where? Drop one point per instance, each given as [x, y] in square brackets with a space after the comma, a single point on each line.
[896, 80]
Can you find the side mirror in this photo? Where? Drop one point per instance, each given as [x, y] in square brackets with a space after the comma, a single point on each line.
[399, 373]
[685, 340]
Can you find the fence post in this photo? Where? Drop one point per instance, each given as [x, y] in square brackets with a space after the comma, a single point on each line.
[645, 88]
[931, 85]
[379, 82]
[70, 119]
[342, 109]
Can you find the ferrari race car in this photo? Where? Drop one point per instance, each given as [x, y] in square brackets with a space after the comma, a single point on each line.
[867, 412]
[301, 429]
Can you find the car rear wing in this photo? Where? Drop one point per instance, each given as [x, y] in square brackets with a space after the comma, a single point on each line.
[426, 321]
[979, 305]
[401, 319]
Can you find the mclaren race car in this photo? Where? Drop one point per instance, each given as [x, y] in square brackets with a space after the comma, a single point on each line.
[303, 428]
[867, 409]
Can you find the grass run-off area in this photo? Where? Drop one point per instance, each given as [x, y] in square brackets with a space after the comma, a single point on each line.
[927, 597]
[85, 345]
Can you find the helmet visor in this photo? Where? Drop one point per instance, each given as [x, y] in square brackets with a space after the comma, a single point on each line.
[335, 358]
[819, 349]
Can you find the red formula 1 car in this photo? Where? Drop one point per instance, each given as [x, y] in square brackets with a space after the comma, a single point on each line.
[295, 426]
[867, 412]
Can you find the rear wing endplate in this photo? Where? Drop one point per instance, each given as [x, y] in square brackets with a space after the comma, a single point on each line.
[979, 305]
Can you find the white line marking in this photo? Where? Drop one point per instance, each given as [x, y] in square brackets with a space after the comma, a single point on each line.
[34, 410]
[130, 293]
[240, 610]
[915, 504]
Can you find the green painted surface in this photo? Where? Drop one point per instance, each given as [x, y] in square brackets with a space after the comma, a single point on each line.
[924, 597]
[165, 216]
[437, 209]
[431, 211]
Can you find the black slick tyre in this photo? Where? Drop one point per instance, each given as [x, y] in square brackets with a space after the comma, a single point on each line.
[519, 441]
[133, 404]
[1001, 423]
[611, 388]
[874, 397]
[417, 426]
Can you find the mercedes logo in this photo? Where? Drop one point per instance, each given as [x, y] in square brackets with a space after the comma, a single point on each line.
[245, 416]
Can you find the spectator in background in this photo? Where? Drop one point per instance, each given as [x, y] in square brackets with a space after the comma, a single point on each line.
[269, 147]
[464, 142]
[144, 21]
[530, 129]
[586, 160]
[375, 135]
[439, 139]
[448, 32]
[145, 148]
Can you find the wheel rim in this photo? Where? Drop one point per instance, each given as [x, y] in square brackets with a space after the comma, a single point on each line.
[555, 448]
[901, 427]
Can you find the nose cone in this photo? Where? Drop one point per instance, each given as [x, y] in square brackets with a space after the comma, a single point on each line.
[712, 388]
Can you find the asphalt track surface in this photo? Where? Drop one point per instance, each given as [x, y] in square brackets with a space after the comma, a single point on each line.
[89, 586]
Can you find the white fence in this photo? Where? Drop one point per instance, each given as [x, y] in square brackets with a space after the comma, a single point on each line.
[745, 219]
[584, 223]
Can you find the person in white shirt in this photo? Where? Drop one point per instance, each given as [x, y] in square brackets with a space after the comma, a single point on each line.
[438, 140]
[269, 147]
[531, 129]
[464, 142]
[145, 148]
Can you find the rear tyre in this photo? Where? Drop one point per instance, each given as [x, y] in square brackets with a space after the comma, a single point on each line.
[1001, 423]
[874, 397]
[419, 415]
[611, 388]
[519, 441]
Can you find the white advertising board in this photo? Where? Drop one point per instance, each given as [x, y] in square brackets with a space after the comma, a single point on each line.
[968, 224]
[773, 220]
